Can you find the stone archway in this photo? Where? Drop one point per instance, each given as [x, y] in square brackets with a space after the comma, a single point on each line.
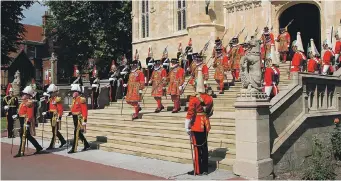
[309, 24]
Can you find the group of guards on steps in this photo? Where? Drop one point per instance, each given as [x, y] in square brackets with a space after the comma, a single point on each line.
[130, 80]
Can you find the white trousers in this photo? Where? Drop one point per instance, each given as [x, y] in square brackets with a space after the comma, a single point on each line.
[267, 90]
[325, 69]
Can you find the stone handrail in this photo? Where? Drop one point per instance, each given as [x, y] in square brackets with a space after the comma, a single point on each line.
[308, 96]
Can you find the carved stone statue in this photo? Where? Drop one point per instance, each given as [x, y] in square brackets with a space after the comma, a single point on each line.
[16, 83]
[251, 74]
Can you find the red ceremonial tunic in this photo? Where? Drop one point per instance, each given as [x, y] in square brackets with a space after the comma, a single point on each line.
[176, 78]
[214, 52]
[284, 42]
[338, 47]
[135, 83]
[56, 106]
[297, 61]
[79, 107]
[312, 65]
[221, 65]
[158, 76]
[327, 56]
[235, 55]
[194, 70]
[267, 44]
[196, 112]
[271, 75]
[26, 110]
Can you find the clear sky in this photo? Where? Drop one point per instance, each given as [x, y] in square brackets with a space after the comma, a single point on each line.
[33, 14]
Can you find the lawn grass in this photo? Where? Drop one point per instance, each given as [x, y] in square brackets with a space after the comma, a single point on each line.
[3, 123]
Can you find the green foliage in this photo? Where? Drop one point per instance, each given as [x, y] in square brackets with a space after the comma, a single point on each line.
[11, 28]
[89, 29]
[336, 141]
[322, 165]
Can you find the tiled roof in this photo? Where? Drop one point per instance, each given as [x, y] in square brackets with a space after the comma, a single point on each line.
[33, 33]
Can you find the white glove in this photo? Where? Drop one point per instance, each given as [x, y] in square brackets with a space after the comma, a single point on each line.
[84, 123]
[150, 82]
[180, 88]
[14, 116]
[140, 91]
[6, 107]
[187, 124]
[205, 82]
[111, 79]
[188, 131]
[122, 73]
[58, 120]
[43, 113]
[164, 88]
[124, 85]
[188, 70]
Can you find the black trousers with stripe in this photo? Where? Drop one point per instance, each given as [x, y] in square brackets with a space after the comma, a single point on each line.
[199, 140]
[77, 134]
[25, 133]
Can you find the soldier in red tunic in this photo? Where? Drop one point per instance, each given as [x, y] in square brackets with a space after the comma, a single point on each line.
[198, 62]
[55, 114]
[218, 45]
[197, 125]
[26, 115]
[299, 58]
[271, 81]
[337, 49]
[267, 40]
[235, 54]
[79, 112]
[313, 65]
[327, 58]
[135, 87]
[221, 66]
[158, 81]
[284, 43]
[176, 79]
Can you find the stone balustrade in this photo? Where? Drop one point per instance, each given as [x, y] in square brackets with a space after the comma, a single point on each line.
[306, 109]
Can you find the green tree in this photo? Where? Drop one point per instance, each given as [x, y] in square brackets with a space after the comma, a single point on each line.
[92, 29]
[11, 28]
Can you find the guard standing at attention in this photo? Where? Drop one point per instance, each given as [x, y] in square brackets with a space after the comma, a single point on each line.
[79, 112]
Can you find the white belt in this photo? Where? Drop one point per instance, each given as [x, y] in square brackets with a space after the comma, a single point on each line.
[150, 64]
[94, 85]
[165, 64]
[112, 79]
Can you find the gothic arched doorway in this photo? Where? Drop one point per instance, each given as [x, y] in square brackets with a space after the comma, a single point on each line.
[306, 20]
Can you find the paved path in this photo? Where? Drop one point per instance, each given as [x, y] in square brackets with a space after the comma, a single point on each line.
[56, 167]
[95, 164]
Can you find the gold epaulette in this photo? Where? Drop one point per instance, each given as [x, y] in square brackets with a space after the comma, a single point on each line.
[58, 99]
[29, 103]
[82, 100]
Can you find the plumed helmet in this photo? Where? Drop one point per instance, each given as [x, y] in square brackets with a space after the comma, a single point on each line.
[52, 88]
[29, 91]
[76, 88]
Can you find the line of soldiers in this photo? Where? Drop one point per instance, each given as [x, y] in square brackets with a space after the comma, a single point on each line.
[53, 113]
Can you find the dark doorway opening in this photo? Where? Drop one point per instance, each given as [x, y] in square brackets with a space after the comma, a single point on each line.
[306, 20]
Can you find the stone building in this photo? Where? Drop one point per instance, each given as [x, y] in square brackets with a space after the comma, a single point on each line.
[167, 23]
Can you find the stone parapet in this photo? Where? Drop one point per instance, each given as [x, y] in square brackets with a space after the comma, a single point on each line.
[252, 136]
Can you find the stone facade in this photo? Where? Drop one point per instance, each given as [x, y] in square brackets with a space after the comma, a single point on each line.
[229, 15]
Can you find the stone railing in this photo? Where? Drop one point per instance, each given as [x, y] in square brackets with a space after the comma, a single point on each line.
[309, 100]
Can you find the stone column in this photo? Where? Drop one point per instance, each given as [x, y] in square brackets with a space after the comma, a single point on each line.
[253, 136]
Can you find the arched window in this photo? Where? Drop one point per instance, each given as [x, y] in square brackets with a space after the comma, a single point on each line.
[181, 11]
[145, 18]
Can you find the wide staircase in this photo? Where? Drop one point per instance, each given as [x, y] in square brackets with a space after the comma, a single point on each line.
[162, 135]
